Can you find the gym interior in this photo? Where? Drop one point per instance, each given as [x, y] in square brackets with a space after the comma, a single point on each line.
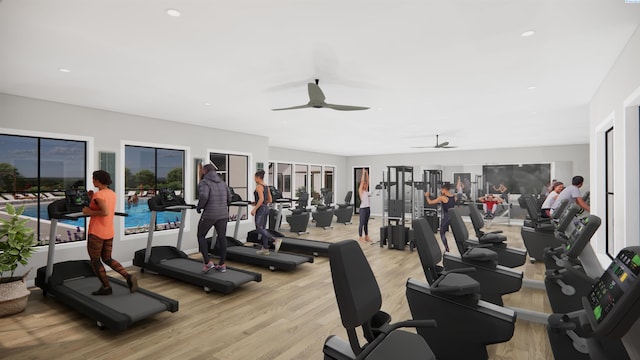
[491, 98]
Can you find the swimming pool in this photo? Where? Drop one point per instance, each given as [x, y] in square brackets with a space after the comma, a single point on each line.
[139, 215]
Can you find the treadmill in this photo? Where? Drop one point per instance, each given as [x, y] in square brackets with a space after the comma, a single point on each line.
[71, 282]
[289, 244]
[172, 262]
[245, 254]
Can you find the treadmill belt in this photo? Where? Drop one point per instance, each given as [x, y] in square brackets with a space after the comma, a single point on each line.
[136, 306]
[314, 247]
[277, 260]
[194, 268]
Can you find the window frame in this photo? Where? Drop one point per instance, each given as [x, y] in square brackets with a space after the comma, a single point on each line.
[250, 172]
[609, 198]
[121, 198]
[89, 164]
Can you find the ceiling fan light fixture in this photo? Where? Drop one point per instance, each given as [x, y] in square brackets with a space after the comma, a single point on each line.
[528, 33]
[173, 12]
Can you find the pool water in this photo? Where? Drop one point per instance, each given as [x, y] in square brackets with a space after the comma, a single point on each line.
[139, 215]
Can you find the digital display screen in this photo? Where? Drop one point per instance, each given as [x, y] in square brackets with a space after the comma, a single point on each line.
[604, 296]
[620, 275]
[76, 199]
[630, 259]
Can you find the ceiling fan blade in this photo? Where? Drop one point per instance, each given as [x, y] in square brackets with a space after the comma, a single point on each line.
[293, 107]
[444, 144]
[315, 94]
[345, 107]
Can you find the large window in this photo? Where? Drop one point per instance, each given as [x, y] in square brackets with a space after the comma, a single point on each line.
[234, 170]
[148, 169]
[300, 180]
[609, 222]
[34, 171]
[317, 180]
[284, 179]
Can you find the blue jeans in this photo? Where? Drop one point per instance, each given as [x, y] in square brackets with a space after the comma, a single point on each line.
[364, 221]
[261, 218]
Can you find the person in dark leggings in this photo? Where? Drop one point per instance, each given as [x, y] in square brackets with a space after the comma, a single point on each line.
[213, 199]
[100, 240]
[260, 211]
[447, 199]
[365, 207]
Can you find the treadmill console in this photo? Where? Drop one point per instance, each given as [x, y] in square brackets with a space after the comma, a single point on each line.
[76, 200]
[581, 235]
[613, 305]
[168, 198]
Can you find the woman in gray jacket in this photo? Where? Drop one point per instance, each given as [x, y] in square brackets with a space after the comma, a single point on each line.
[213, 199]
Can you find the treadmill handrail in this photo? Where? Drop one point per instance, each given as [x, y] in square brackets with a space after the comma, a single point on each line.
[53, 228]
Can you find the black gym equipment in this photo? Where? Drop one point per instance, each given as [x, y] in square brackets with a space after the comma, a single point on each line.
[495, 280]
[289, 244]
[399, 202]
[172, 262]
[299, 219]
[509, 257]
[344, 212]
[71, 282]
[538, 232]
[359, 301]
[452, 298]
[566, 283]
[609, 311]
[323, 216]
[238, 252]
[295, 245]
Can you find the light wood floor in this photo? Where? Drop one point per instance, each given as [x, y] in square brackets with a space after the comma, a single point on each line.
[286, 316]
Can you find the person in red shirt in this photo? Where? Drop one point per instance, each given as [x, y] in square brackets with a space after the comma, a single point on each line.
[101, 231]
[489, 204]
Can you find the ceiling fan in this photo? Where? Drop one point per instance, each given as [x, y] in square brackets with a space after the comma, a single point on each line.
[316, 100]
[438, 145]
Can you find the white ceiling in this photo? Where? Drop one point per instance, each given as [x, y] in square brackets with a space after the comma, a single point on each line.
[457, 68]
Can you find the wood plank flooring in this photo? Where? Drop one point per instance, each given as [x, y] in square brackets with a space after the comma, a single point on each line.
[286, 316]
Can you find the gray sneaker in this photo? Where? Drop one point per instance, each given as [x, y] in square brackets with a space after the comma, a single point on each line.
[278, 243]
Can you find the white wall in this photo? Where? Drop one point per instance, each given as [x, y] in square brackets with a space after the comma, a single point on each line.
[471, 161]
[617, 104]
[108, 131]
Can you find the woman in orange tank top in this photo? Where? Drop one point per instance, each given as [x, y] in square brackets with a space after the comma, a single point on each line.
[100, 240]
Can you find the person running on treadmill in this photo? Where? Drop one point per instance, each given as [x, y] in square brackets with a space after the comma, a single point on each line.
[572, 193]
[447, 199]
[101, 231]
[365, 207]
[260, 211]
[213, 199]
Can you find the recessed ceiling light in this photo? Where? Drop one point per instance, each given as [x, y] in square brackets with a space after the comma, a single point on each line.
[207, 104]
[528, 33]
[532, 88]
[64, 70]
[173, 12]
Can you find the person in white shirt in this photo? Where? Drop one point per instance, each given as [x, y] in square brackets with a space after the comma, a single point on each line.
[573, 194]
[365, 210]
[551, 198]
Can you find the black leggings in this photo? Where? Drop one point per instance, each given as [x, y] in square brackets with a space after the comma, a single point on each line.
[221, 238]
[261, 218]
[364, 221]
